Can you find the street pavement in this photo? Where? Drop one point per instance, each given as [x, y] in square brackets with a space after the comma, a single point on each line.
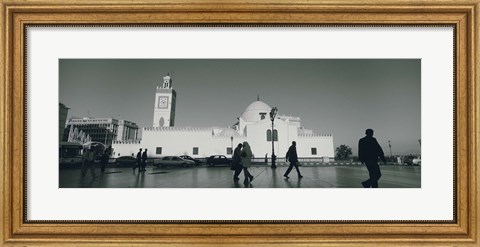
[320, 176]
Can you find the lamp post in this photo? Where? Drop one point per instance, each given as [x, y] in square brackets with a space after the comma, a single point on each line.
[273, 113]
[231, 144]
[390, 146]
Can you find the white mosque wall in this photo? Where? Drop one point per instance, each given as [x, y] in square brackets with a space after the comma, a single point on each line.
[182, 141]
[257, 137]
[323, 144]
[179, 141]
[125, 148]
[219, 145]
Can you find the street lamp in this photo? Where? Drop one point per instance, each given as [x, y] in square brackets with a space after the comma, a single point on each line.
[273, 113]
[390, 146]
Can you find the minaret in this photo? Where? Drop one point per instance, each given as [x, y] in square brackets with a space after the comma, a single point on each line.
[164, 110]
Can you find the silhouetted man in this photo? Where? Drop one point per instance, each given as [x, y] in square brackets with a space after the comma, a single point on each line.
[368, 153]
[139, 161]
[237, 161]
[292, 157]
[144, 160]
[103, 161]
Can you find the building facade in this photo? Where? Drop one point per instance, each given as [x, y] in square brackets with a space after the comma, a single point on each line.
[104, 130]
[254, 126]
[62, 119]
[126, 130]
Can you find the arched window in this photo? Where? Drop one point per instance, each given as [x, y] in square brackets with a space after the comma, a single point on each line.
[269, 135]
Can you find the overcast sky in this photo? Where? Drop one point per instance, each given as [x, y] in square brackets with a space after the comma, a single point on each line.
[342, 97]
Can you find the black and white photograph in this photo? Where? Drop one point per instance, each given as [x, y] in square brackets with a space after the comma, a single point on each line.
[240, 123]
[244, 123]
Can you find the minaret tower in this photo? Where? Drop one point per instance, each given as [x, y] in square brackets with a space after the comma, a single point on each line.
[165, 99]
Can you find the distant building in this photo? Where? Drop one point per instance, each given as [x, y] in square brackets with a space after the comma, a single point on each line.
[126, 130]
[104, 130]
[62, 119]
[253, 126]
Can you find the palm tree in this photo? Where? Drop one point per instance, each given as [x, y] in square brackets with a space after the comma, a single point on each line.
[343, 152]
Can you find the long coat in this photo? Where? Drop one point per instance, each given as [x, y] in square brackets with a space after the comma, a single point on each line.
[246, 156]
[369, 150]
[292, 154]
[237, 156]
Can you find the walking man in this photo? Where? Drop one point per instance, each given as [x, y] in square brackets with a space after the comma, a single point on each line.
[237, 161]
[144, 160]
[292, 157]
[368, 153]
[139, 161]
[88, 159]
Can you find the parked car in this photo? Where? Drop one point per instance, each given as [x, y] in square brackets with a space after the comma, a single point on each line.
[172, 161]
[218, 159]
[408, 160]
[417, 161]
[125, 161]
[186, 157]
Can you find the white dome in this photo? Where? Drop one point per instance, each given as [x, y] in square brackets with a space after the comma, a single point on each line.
[252, 113]
[229, 132]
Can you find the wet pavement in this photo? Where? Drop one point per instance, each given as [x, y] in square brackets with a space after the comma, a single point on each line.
[320, 176]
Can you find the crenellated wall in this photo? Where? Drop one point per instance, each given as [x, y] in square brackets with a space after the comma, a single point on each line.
[126, 148]
[323, 144]
[178, 141]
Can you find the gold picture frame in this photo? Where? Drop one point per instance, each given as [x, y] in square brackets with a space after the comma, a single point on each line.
[462, 14]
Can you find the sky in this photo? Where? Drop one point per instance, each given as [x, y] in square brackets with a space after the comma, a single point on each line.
[342, 97]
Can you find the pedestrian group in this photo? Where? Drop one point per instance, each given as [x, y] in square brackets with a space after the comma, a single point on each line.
[141, 161]
[242, 160]
[369, 151]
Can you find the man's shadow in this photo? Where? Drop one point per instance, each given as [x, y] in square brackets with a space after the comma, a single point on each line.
[140, 180]
[291, 184]
[237, 184]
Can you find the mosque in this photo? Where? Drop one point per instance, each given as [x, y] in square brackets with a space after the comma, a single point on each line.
[254, 126]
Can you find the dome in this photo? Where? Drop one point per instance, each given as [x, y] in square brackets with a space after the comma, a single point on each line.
[229, 132]
[255, 110]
